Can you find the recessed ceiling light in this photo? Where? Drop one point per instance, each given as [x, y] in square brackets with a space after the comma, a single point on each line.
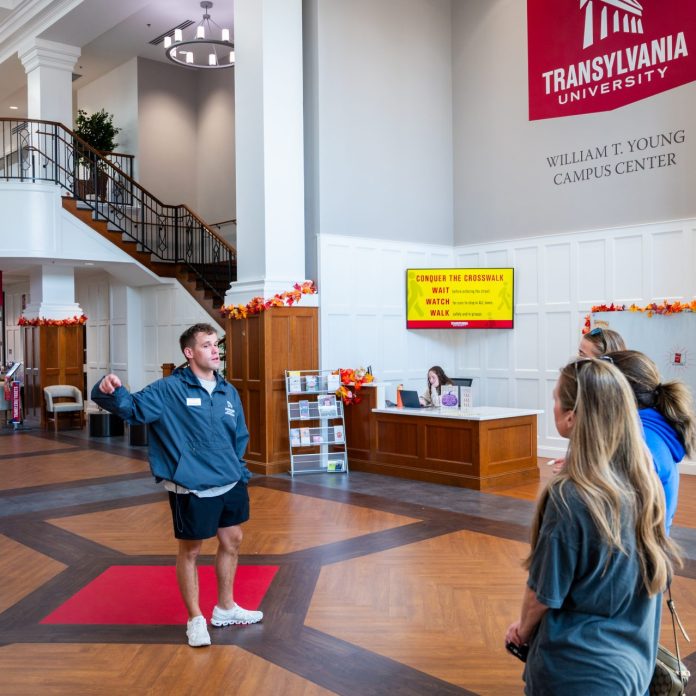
[88, 263]
[14, 108]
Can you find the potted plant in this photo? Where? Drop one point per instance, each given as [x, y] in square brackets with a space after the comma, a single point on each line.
[99, 131]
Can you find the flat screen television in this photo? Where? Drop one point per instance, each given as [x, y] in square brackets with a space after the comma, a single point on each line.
[460, 298]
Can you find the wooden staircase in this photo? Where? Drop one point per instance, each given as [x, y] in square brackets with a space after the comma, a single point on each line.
[217, 276]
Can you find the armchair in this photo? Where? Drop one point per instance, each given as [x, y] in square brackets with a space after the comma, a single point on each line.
[64, 399]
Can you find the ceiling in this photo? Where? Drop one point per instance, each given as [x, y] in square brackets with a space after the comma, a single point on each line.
[109, 33]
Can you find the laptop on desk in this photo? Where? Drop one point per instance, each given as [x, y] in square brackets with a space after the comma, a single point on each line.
[409, 398]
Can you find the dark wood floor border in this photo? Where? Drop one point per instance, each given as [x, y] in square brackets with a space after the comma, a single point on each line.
[69, 485]
[459, 520]
[40, 453]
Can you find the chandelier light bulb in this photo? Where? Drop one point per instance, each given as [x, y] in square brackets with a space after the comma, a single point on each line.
[212, 59]
[225, 34]
[200, 32]
[189, 57]
[231, 57]
[167, 41]
[172, 53]
[178, 35]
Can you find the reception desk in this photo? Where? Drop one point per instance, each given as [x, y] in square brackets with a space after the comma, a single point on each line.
[481, 448]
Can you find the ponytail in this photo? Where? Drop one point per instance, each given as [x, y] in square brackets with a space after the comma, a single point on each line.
[674, 401]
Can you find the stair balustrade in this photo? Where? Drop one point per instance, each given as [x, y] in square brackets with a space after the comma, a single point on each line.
[33, 150]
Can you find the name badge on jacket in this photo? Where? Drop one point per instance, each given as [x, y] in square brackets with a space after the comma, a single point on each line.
[193, 401]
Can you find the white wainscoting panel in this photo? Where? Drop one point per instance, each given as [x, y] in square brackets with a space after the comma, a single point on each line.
[557, 280]
[362, 297]
[13, 309]
[640, 264]
[628, 276]
[669, 264]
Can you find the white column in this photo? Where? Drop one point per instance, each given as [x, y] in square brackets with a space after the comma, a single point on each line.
[52, 293]
[49, 67]
[269, 148]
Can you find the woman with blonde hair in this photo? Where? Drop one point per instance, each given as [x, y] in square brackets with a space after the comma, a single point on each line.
[600, 557]
[599, 342]
[666, 411]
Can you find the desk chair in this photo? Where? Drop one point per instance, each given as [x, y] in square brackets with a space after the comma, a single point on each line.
[62, 399]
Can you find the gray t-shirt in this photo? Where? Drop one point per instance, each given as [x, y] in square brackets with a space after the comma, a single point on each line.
[600, 633]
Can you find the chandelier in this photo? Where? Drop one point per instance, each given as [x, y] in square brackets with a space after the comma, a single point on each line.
[208, 47]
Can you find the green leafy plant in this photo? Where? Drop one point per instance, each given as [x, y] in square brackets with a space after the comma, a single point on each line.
[97, 129]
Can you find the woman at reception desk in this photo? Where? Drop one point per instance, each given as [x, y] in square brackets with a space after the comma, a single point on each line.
[482, 448]
[436, 380]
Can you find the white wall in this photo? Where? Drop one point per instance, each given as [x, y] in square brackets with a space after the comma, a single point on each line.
[363, 310]
[133, 331]
[503, 185]
[381, 134]
[167, 131]
[557, 280]
[117, 92]
[215, 148]
[167, 310]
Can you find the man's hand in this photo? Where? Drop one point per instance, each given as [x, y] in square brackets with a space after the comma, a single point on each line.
[109, 384]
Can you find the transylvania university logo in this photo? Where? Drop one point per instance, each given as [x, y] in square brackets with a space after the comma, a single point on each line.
[625, 16]
[596, 55]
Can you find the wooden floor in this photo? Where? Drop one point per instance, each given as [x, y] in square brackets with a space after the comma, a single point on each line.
[384, 586]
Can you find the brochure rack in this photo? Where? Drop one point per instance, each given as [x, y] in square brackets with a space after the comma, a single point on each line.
[316, 427]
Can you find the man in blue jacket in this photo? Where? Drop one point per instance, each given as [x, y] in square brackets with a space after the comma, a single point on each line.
[197, 439]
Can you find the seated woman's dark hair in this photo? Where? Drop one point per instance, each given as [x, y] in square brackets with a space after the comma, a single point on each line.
[442, 378]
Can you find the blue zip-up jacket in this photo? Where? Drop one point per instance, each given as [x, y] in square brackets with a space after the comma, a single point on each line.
[196, 439]
[667, 451]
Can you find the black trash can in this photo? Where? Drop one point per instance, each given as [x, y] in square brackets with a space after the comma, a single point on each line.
[104, 424]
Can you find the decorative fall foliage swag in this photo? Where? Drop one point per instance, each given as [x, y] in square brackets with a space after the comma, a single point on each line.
[653, 308]
[352, 382]
[42, 321]
[258, 304]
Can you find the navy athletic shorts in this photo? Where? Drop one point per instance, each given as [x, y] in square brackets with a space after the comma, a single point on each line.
[197, 518]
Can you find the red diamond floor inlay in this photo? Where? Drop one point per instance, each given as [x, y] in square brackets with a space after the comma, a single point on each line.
[150, 595]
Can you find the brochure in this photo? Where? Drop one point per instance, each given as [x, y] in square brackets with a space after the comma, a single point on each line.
[333, 382]
[304, 409]
[327, 406]
[339, 438]
[304, 437]
[335, 465]
[294, 382]
[467, 397]
[294, 437]
[311, 383]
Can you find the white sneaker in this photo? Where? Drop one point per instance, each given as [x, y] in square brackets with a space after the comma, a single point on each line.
[197, 632]
[236, 615]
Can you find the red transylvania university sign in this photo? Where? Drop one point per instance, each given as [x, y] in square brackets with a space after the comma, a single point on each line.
[597, 55]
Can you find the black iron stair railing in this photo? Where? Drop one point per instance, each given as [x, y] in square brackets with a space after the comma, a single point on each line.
[35, 150]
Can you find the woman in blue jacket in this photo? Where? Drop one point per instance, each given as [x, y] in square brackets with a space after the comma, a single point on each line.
[666, 411]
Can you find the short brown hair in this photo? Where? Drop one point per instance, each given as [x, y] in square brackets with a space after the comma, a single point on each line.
[188, 338]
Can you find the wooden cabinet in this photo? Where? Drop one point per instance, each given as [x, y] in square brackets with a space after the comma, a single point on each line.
[52, 355]
[259, 350]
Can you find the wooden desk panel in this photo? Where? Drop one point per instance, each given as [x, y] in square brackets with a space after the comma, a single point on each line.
[478, 454]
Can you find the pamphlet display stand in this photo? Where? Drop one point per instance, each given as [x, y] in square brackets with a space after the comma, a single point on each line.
[315, 422]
